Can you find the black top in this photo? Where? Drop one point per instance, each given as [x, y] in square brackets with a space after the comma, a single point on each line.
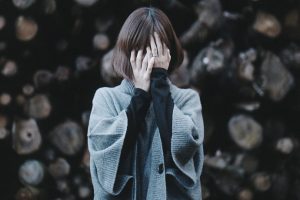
[137, 109]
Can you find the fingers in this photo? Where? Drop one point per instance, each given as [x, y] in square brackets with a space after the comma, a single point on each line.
[150, 52]
[132, 59]
[153, 46]
[165, 49]
[139, 58]
[169, 54]
[150, 65]
[158, 44]
[146, 58]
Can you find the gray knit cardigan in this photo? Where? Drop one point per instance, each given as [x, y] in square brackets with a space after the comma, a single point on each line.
[150, 181]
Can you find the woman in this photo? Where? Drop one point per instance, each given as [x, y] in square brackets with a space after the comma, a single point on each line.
[145, 135]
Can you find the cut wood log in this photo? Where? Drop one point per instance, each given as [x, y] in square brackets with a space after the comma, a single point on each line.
[59, 168]
[38, 106]
[83, 63]
[267, 24]
[67, 137]
[290, 56]
[62, 73]
[9, 68]
[4, 132]
[245, 131]
[30, 193]
[63, 186]
[26, 28]
[28, 89]
[249, 106]
[26, 136]
[31, 172]
[84, 191]
[245, 64]
[209, 18]
[292, 24]
[219, 161]
[5, 99]
[86, 2]
[49, 6]
[42, 78]
[23, 4]
[247, 162]
[245, 194]
[261, 181]
[286, 145]
[101, 41]
[276, 79]
[2, 22]
[210, 60]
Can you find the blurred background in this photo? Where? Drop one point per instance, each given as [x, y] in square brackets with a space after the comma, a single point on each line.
[243, 57]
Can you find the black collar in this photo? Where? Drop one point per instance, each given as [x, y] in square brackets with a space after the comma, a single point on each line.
[128, 85]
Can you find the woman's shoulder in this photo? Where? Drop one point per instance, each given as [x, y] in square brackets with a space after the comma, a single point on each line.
[181, 95]
[110, 94]
[117, 92]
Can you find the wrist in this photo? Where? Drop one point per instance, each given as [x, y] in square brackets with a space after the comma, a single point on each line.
[159, 72]
[142, 88]
[142, 94]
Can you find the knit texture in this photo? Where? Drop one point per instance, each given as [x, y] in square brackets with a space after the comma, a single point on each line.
[106, 132]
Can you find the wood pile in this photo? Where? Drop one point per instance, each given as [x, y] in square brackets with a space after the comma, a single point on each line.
[243, 57]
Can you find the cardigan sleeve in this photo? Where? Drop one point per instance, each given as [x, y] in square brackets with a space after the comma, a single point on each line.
[107, 132]
[187, 140]
[186, 132]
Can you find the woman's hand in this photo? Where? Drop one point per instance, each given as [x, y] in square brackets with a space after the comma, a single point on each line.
[161, 51]
[142, 68]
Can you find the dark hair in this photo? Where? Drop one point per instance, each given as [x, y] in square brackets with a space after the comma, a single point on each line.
[135, 34]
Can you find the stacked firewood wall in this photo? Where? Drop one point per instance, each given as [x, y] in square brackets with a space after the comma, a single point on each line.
[243, 57]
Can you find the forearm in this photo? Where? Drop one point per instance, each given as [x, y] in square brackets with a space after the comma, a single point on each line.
[163, 108]
[136, 112]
